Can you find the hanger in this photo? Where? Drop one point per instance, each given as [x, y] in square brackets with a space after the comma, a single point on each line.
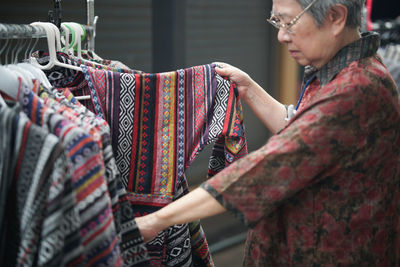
[51, 35]
[9, 83]
[78, 33]
[37, 73]
[21, 42]
[26, 77]
[67, 45]
[8, 44]
[57, 35]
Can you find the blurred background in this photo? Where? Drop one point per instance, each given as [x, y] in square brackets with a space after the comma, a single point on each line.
[166, 35]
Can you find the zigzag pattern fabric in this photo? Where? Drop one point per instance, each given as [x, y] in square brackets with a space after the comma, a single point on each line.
[133, 250]
[160, 123]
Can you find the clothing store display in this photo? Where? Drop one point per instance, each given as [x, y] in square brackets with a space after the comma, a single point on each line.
[75, 174]
[309, 169]
[208, 111]
[63, 201]
[159, 123]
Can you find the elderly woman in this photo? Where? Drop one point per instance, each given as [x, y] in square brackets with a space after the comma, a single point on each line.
[324, 189]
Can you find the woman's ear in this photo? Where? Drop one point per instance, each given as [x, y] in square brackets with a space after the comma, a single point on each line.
[337, 16]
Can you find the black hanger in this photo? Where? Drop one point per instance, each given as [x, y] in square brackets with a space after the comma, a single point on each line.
[54, 16]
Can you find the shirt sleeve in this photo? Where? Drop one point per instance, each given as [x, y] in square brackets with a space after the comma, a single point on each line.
[311, 147]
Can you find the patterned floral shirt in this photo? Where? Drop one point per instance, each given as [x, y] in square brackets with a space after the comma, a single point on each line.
[324, 191]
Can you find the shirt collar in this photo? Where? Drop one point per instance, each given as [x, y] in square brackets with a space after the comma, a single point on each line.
[364, 47]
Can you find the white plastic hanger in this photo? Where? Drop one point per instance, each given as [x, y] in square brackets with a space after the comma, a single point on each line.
[67, 45]
[26, 76]
[9, 83]
[51, 43]
[57, 35]
[78, 32]
[37, 73]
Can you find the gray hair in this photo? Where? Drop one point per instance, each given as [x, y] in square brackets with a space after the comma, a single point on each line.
[319, 9]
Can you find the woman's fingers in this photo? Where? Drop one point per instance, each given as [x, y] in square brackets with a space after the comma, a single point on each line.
[223, 69]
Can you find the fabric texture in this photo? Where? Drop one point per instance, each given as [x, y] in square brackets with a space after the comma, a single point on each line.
[97, 242]
[132, 246]
[34, 174]
[324, 190]
[159, 123]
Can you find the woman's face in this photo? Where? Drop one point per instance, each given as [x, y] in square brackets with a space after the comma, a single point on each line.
[307, 43]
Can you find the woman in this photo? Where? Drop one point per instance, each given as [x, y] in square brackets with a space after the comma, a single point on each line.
[324, 189]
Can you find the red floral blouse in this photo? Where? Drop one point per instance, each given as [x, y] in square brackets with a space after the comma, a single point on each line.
[325, 190]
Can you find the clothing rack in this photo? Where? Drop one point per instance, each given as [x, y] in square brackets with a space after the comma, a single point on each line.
[20, 31]
[24, 31]
[389, 31]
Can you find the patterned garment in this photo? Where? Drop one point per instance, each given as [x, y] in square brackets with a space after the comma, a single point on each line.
[93, 215]
[133, 250]
[35, 172]
[159, 123]
[64, 77]
[325, 190]
[74, 80]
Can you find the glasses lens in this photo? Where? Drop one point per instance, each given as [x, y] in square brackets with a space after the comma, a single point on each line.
[274, 22]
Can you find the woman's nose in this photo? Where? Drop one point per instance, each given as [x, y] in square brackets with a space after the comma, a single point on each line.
[283, 36]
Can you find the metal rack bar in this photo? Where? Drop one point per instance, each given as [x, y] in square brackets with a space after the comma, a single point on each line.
[24, 31]
[91, 22]
[20, 31]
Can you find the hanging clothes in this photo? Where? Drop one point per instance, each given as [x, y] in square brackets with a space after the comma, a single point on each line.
[35, 192]
[62, 199]
[198, 108]
[91, 221]
[94, 210]
[159, 123]
[132, 246]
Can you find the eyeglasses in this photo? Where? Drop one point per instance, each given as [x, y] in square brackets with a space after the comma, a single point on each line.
[276, 22]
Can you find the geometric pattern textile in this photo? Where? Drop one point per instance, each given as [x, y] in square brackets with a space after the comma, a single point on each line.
[133, 249]
[159, 124]
[97, 242]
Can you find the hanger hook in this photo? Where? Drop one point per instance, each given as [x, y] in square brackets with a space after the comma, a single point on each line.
[9, 41]
[36, 31]
[50, 35]
[23, 42]
[4, 46]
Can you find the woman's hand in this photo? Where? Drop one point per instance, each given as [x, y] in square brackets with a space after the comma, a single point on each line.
[196, 205]
[242, 79]
[270, 112]
[147, 226]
